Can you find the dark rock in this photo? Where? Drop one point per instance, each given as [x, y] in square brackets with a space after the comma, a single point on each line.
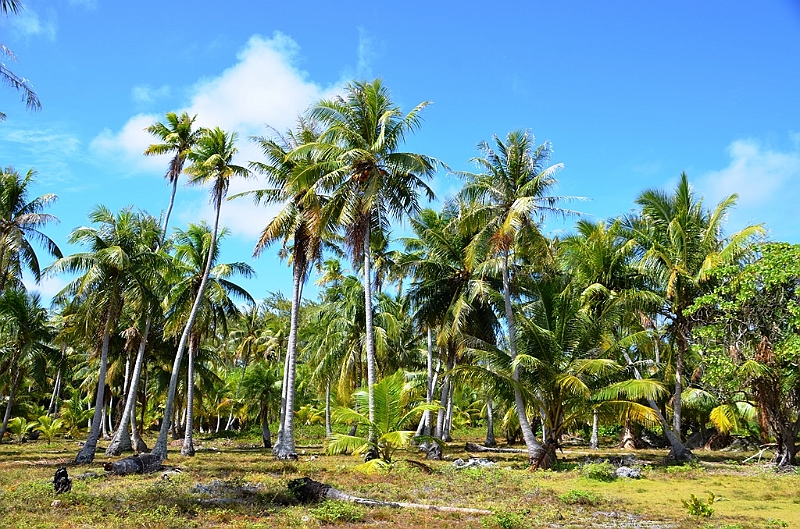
[61, 481]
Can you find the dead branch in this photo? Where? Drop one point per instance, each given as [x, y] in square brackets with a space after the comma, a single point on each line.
[472, 447]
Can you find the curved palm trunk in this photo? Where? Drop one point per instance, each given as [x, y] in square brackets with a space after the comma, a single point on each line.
[169, 208]
[677, 451]
[86, 453]
[535, 449]
[160, 448]
[188, 445]
[122, 439]
[286, 449]
[370, 338]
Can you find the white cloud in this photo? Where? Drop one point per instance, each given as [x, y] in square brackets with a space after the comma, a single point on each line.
[128, 145]
[146, 94]
[48, 287]
[759, 175]
[28, 23]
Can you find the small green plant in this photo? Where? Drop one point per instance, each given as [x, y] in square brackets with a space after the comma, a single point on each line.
[773, 522]
[579, 497]
[49, 427]
[331, 512]
[19, 427]
[697, 507]
[604, 471]
[506, 520]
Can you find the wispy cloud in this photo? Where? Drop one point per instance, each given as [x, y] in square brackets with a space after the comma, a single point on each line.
[145, 94]
[28, 23]
[765, 179]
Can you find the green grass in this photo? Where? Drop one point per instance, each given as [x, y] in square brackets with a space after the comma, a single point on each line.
[256, 495]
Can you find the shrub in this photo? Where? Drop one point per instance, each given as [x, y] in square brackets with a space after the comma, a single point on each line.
[604, 471]
[506, 520]
[579, 497]
[338, 511]
[697, 507]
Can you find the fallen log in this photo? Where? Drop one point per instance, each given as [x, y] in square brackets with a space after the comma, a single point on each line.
[307, 490]
[472, 447]
[138, 464]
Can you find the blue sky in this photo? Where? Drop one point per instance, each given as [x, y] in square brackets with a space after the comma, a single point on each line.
[630, 94]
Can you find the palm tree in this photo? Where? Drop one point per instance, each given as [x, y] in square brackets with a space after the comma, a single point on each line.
[10, 78]
[211, 160]
[21, 220]
[260, 387]
[505, 204]
[26, 333]
[119, 256]
[370, 181]
[299, 224]
[177, 138]
[191, 251]
[679, 243]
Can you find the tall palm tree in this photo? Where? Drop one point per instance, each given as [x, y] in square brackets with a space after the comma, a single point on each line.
[10, 78]
[679, 243]
[299, 227]
[371, 181]
[211, 161]
[119, 256]
[26, 333]
[21, 220]
[177, 138]
[506, 202]
[191, 251]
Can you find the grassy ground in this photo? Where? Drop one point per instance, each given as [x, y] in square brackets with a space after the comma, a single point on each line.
[251, 490]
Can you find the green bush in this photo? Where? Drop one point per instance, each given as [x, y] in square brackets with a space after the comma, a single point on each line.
[338, 511]
[506, 520]
[579, 497]
[697, 507]
[604, 471]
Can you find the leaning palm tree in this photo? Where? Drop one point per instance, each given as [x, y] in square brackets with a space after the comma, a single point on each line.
[211, 161]
[371, 181]
[191, 251]
[177, 138]
[298, 226]
[21, 220]
[506, 202]
[679, 243]
[119, 256]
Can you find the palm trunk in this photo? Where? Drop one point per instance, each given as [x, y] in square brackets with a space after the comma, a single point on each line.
[287, 448]
[328, 429]
[678, 451]
[282, 413]
[535, 449]
[683, 347]
[266, 435]
[188, 445]
[160, 448]
[370, 338]
[53, 406]
[122, 440]
[594, 442]
[169, 209]
[86, 453]
[11, 395]
[490, 439]
[428, 414]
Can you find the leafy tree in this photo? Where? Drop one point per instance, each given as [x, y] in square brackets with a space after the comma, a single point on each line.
[754, 315]
[261, 389]
[21, 220]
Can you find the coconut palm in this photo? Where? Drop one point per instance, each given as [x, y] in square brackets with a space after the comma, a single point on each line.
[506, 202]
[21, 220]
[260, 387]
[119, 258]
[371, 182]
[211, 161]
[177, 138]
[679, 243]
[300, 229]
[191, 251]
[25, 333]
